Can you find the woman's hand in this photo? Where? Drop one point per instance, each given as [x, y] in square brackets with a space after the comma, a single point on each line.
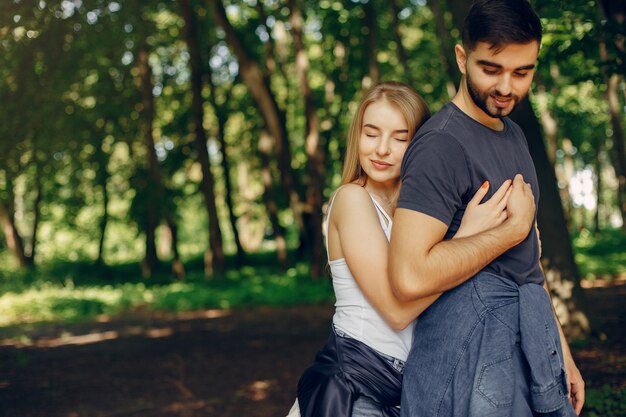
[480, 217]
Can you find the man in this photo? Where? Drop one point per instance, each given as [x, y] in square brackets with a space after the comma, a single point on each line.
[490, 346]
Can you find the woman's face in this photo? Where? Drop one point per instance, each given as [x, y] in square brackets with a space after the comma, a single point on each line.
[383, 142]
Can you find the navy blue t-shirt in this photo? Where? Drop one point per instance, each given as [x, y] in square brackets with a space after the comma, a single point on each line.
[448, 160]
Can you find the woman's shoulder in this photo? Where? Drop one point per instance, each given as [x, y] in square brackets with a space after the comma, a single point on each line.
[350, 193]
[351, 199]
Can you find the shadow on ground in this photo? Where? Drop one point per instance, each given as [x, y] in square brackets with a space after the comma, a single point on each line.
[209, 363]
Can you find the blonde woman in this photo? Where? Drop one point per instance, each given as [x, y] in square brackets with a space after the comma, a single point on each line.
[358, 372]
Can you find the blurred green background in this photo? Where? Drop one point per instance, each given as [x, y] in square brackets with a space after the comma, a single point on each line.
[177, 155]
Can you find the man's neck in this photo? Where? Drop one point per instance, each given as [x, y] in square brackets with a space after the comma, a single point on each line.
[464, 102]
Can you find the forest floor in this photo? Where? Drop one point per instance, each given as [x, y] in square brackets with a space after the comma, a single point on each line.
[209, 363]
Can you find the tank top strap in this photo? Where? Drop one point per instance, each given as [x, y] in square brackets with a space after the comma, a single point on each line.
[385, 219]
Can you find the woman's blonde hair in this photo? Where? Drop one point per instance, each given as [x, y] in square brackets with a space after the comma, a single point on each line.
[405, 99]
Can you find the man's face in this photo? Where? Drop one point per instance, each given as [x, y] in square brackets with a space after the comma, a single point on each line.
[497, 81]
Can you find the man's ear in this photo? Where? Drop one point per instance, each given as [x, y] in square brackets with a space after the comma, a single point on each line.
[461, 58]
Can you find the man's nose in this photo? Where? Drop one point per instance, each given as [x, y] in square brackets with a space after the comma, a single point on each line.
[503, 88]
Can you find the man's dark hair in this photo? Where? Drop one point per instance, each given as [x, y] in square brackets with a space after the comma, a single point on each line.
[499, 23]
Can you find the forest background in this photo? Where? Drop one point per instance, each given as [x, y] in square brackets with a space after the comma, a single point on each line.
[177, 155]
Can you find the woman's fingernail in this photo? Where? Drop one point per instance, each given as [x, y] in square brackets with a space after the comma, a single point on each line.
[485, 184]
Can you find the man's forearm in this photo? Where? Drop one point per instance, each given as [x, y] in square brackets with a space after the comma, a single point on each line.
[450, 262]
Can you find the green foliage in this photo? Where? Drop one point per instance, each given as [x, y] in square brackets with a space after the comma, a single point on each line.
[601, 256]
[71, 127]
[605, 402]
[76, 291]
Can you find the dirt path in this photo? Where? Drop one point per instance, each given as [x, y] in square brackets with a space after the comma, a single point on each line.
[211, 363]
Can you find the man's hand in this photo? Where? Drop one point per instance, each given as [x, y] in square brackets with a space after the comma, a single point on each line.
[576, 385]
[520, 208]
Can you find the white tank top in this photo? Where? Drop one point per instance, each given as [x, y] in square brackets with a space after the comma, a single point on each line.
[354, 315]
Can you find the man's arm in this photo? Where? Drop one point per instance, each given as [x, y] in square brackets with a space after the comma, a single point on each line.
[422, 264]
[575, 381]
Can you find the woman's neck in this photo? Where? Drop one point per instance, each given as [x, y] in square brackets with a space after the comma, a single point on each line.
[386, 195]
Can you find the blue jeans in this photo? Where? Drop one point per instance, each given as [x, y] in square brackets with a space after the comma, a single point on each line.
[468, 358]
[366, 407]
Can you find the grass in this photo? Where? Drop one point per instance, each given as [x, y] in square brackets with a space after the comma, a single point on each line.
[66, 291]
[63, 292]
[601, 257]
[605, 402]
[69, 292]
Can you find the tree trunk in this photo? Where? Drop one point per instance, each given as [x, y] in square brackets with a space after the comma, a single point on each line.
[214, 256]
[599, 186]
[30, 256]
[314, 149]
[619, 152]
[575, 313]
[222, 118]
[550, 130]
[155, 196]
[269, 200]
[371, 26]
[397, 36]
[14, 240]
[614, 14]
[447, 46]
[271, 66]
[258, 84]
[613, 24]
[7, 217]
[104, 220]
[178, 269]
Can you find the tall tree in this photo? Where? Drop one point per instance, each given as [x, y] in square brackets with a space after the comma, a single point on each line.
[614, 13]
[313, 146]
[447, 46]
[221, 114]
[371, 31]
[214, 255]
[397, 36]
[258, 83]
[7, 217]
[152, 192]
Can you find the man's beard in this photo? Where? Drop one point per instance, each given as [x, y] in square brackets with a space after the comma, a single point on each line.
[480, 99]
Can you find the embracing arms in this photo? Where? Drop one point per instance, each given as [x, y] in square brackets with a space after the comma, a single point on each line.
[355, 235]
[421, 263]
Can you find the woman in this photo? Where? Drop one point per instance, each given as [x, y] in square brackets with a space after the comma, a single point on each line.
[359, 370]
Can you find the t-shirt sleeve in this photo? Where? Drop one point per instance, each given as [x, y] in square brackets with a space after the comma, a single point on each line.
[435, 176]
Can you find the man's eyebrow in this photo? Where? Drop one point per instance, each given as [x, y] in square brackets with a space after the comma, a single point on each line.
[494, 65]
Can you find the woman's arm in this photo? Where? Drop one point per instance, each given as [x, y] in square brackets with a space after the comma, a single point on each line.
[355, 234]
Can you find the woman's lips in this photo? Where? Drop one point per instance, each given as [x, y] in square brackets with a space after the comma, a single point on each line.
[380, 164]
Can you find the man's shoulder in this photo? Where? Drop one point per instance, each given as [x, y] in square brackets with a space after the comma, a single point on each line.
[440, 121]
[442, 125]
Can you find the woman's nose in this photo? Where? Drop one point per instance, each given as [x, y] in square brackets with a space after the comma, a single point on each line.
[383, 146]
